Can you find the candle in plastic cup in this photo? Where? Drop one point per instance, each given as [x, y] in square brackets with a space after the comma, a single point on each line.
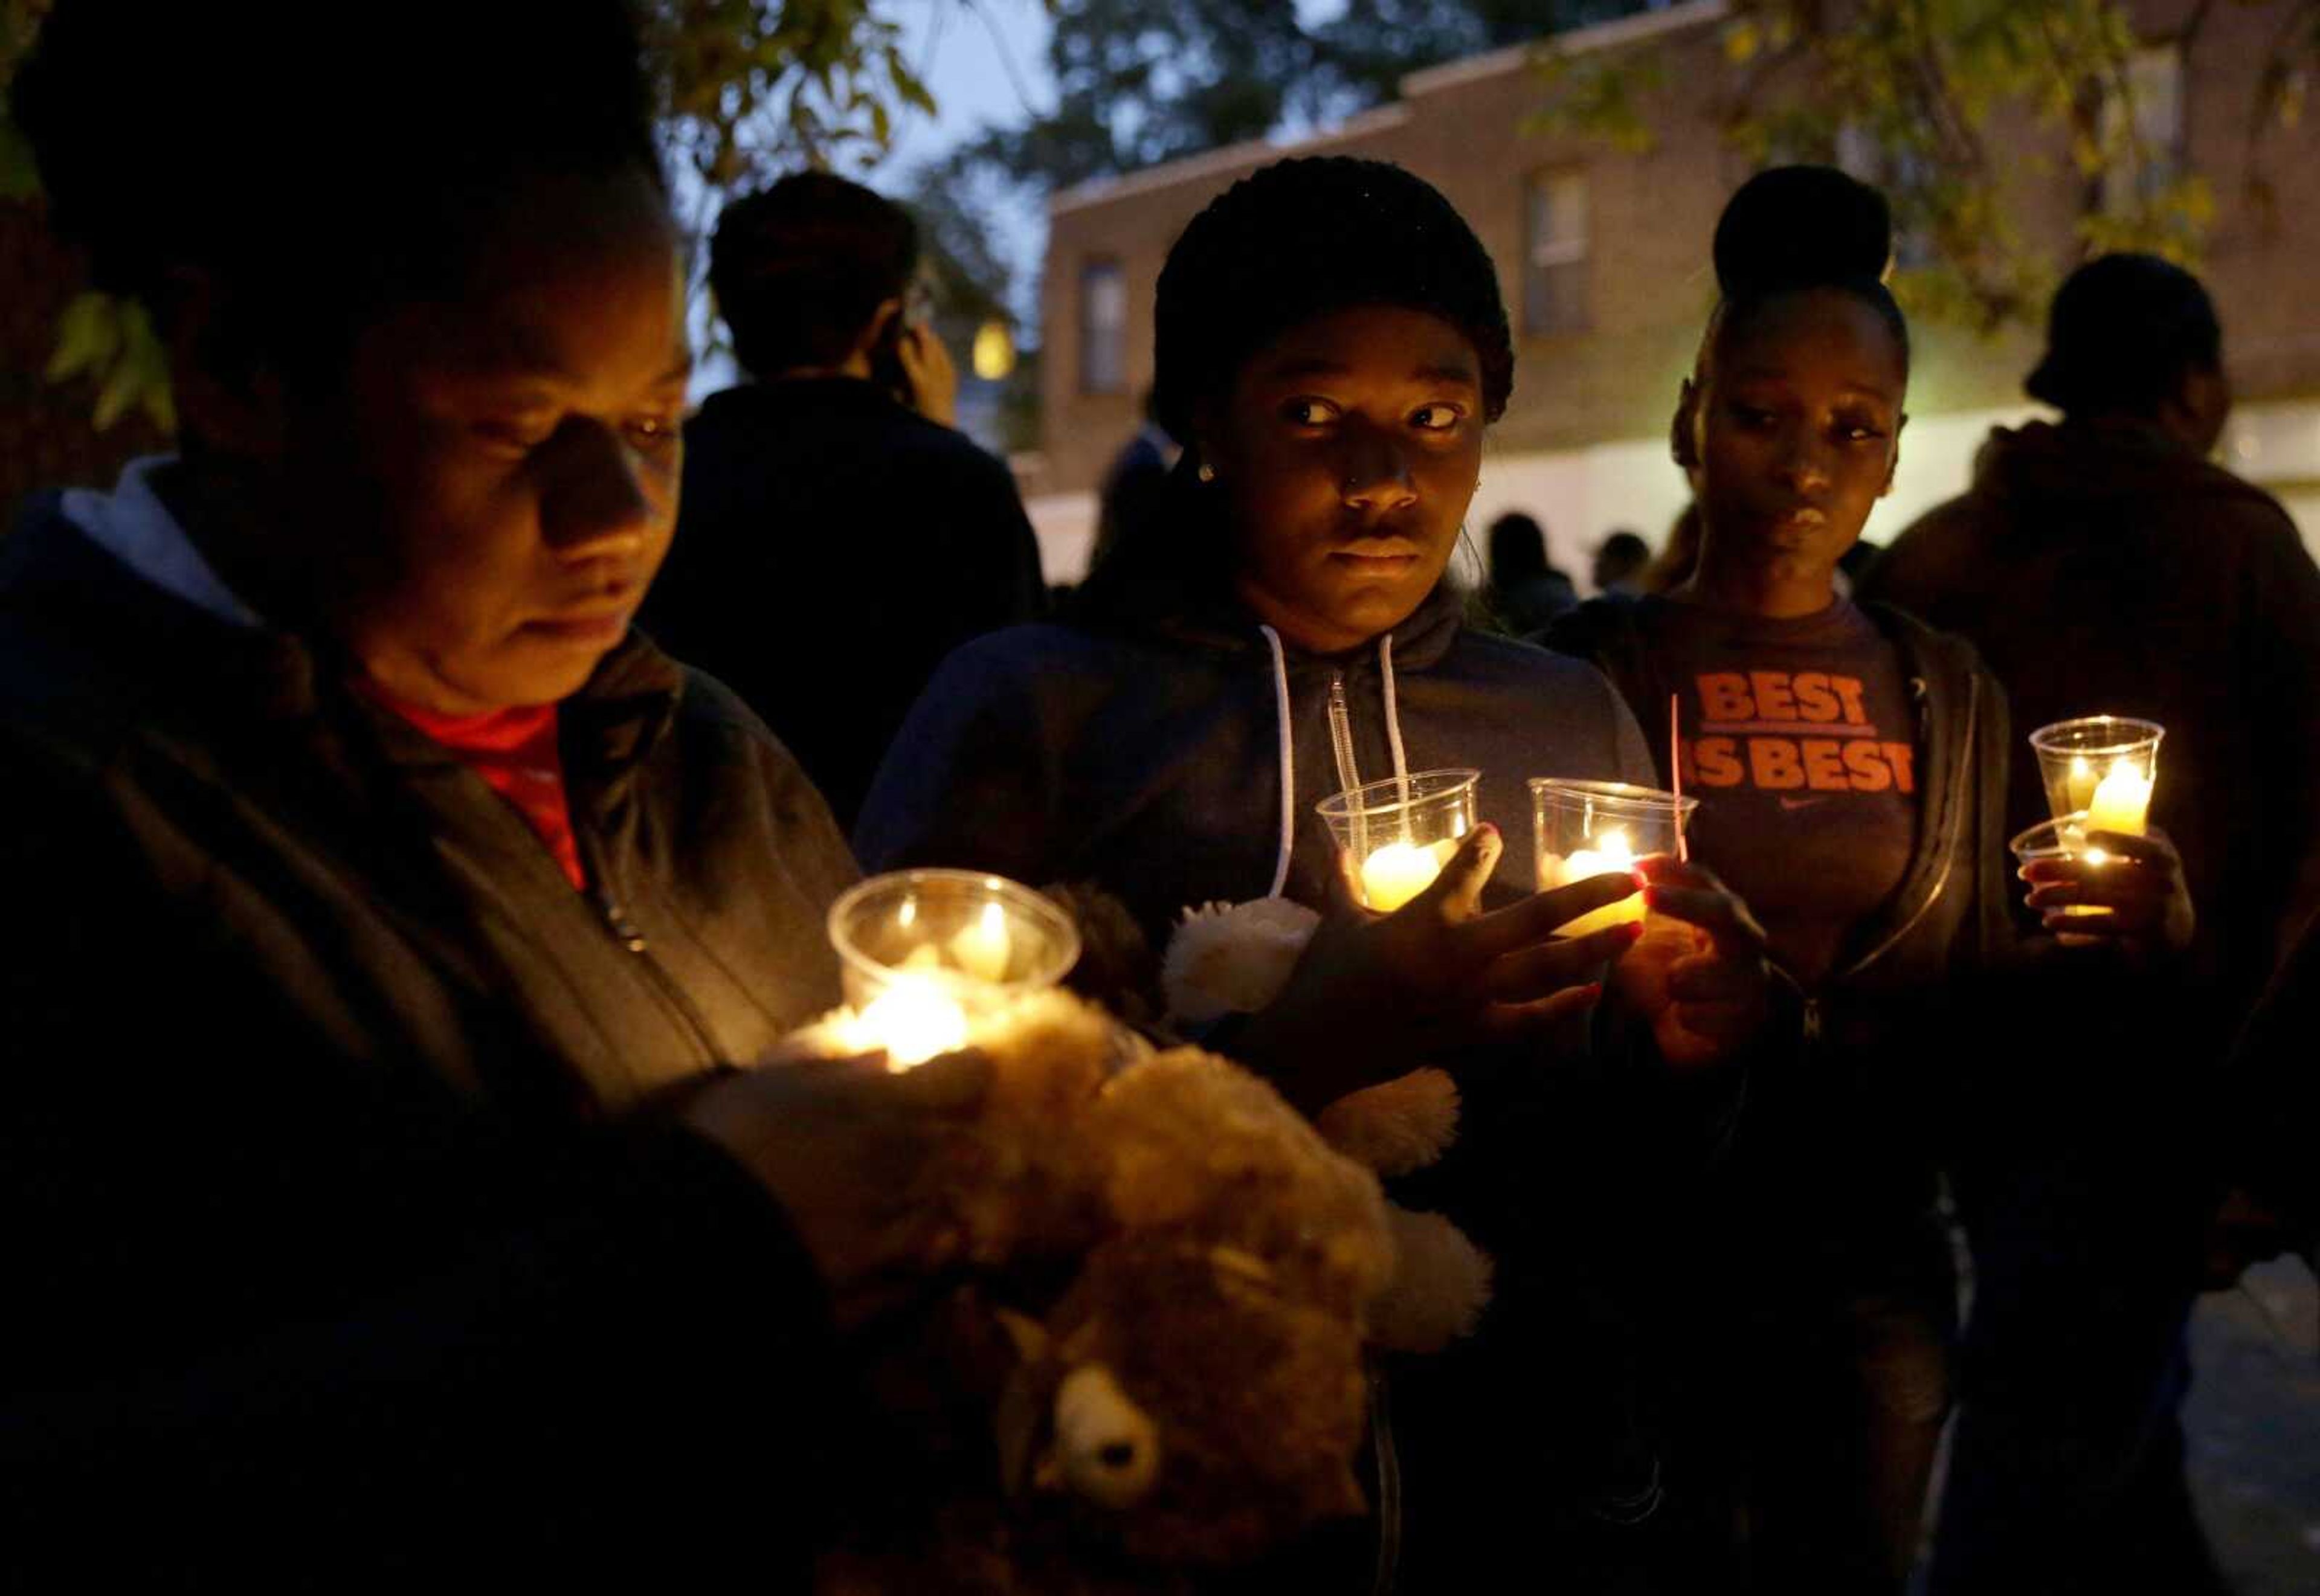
[1611, 856]
[2102, 767]
[1398, 833]
[1581, 830]
[2121, 801]
[926, 956]
[1395, 874]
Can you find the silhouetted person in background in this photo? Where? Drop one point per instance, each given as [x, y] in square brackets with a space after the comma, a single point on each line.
[2103, 565]
[838, 536]
[1526, 590]
[1132, 491]
[1620, 560]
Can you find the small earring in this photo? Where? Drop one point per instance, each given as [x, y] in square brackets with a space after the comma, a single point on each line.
[1207, 473]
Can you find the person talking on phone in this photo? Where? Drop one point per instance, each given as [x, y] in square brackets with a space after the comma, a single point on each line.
[831, 488]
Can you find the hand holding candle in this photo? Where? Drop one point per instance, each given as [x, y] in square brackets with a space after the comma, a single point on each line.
[1397, 835]
[2090, 886]
[1583, 829]
[1372, 992]
[1699, 975]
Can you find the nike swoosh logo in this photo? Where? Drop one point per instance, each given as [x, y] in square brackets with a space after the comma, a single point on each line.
[1788, 802]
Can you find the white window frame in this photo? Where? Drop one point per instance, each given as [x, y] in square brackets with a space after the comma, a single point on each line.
[2154, 77]
[1103, 339]
[1561, 258]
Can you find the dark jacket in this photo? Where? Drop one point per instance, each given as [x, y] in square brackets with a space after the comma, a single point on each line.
[335, 1207]
[2106, 569]
[1859, 1110]
[833, 545]
[1147, 757]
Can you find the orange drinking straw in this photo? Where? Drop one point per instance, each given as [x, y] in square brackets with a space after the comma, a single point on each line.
[1675, 777]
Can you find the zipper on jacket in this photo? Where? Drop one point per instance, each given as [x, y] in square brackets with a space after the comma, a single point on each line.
[1949, 845]
[627, 933]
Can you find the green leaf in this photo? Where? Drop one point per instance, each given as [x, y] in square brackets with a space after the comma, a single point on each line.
[119, 391]
[88, 336]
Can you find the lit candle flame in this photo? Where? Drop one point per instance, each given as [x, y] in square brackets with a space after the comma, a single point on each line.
[912, 1020]
[1395, 874]
[1611, 853]
[983, 950]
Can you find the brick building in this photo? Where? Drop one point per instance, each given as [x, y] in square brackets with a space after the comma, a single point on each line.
[1604, 258]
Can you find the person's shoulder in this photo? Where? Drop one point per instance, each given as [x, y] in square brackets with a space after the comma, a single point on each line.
[950, 450]
[1536, 659]
[1941, 523]
[85, 646]
[1925, 648]
[1573, 680]
[2239, 508]
[1595, 628]
[1045, 661]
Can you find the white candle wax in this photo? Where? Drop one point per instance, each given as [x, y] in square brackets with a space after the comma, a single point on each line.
[984, 948]
[2121, 801]
[1611, 853]
[1395, 874]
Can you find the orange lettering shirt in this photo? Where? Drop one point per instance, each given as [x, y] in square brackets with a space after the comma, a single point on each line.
[1799, 739]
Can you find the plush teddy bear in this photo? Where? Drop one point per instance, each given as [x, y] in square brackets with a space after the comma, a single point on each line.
[1234, 958]
[1173, 1277]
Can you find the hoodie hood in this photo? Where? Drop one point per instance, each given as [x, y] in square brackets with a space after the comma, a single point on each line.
[1227, 626]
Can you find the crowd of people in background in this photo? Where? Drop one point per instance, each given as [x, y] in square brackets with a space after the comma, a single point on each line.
[395, 1180]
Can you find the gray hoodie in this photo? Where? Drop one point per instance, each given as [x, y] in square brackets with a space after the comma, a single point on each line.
[1178, 761]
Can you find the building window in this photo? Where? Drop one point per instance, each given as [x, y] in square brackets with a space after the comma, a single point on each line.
[1104, 328]
[1895, 173]
[1554, 253]
[2143, 128]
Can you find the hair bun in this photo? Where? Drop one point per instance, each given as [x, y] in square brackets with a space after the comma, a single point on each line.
[1800, 227]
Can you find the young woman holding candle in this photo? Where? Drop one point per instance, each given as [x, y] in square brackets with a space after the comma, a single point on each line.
[391, 927]
[1330, 344]
[1850, 766]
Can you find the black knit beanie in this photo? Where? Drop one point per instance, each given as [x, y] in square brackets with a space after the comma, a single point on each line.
[1303, 238]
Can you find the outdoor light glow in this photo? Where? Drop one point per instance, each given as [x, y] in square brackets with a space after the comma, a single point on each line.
[993, 356]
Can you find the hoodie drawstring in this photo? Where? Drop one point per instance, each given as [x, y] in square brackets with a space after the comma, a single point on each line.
[1392, 714]
[1287, 763]
[1289, 744]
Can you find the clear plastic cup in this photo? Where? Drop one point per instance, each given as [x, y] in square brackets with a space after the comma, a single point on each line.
[2063, 839]
[2100, 767]
[1581, 829]
[925, 955]
[1397, 834]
